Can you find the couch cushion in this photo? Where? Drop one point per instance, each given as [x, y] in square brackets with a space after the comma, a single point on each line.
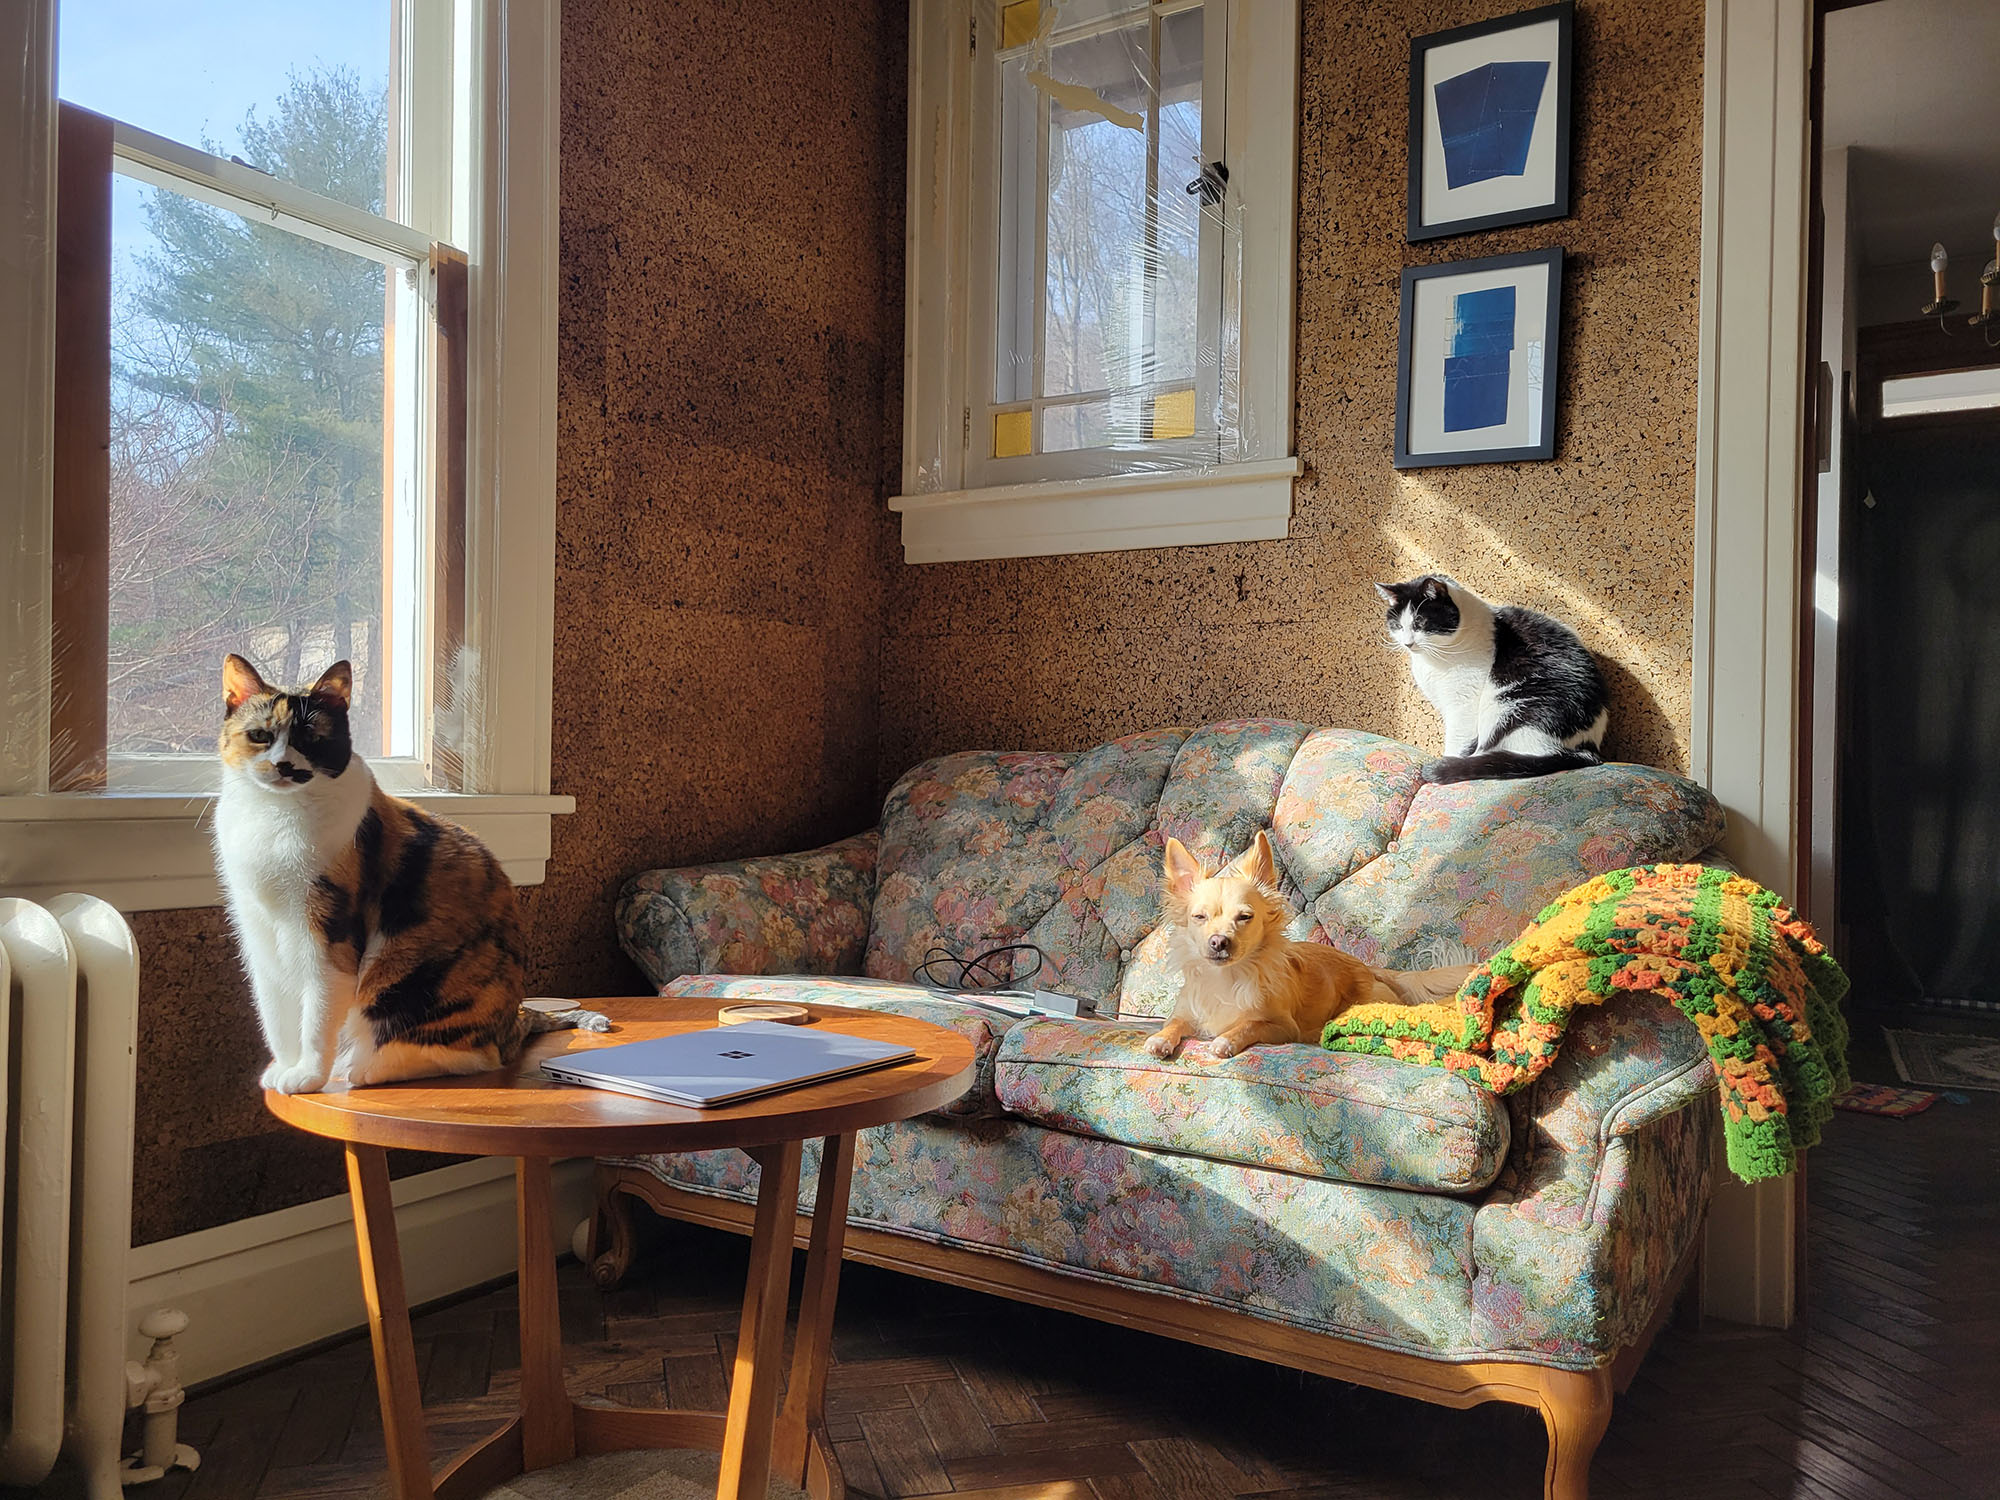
[1474, 863]
[1301, 1109]
[982, 1028]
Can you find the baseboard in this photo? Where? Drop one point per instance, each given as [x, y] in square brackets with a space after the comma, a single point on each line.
[261, 1287]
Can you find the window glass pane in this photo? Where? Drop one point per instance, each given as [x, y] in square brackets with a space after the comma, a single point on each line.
[249, 449]
[299, 90]
[1094, 319]
[1099, 256]
[1960, 390]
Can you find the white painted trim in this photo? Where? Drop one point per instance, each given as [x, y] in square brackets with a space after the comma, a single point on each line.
[511, 417]
[1750, 389]
[1250, 502]
[264, 1286]
[27, 385]
[153, 852]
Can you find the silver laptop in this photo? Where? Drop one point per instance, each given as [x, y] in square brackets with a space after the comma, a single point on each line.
[707, 1069]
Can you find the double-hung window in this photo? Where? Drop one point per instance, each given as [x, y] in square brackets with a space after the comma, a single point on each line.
[288, 244]
[1100, 230]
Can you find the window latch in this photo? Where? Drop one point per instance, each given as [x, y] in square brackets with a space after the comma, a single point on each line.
[1209, 185]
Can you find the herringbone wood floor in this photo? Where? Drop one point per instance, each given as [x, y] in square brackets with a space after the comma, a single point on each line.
[1892, 1388]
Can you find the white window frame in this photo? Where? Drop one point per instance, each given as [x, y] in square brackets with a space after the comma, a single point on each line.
[150, 850]
[951, 506]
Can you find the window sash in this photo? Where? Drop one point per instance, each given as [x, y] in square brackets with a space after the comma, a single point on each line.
[990, 254]
[424, 530]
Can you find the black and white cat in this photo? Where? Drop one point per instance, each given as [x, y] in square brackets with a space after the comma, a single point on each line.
[1519, 693]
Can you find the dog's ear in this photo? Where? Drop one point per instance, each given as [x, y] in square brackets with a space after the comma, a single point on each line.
[1257, 864]
[1183, 869]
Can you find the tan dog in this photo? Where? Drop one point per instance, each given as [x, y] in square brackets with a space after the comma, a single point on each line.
[1243, 982]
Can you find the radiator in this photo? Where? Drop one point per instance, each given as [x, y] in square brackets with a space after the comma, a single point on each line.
[69, 976]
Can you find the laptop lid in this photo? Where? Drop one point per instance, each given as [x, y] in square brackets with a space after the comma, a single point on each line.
[725, 1063]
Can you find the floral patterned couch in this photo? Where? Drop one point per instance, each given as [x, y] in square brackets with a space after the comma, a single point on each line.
[1364, 1217]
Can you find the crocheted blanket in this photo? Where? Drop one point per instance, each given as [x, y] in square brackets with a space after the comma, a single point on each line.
[1763, 992]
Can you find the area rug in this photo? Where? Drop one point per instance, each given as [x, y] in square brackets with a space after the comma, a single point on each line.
[1941, 1061]
[1881, 1099]
[673, 1474]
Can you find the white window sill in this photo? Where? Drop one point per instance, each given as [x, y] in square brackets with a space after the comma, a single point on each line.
[1246, 502]
[150, 851]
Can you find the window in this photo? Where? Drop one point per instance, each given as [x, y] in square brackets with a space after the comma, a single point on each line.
[278, 409]
[275, 422]
[1957, 390]
[1098, 349]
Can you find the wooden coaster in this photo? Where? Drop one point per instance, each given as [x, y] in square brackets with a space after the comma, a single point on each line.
[762, 1010]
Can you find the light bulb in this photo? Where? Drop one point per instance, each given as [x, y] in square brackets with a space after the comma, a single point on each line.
[1938, 258]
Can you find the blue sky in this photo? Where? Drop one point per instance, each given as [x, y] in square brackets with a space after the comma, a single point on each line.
[191, 69]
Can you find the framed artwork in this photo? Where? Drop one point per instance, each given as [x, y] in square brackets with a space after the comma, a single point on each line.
[1476, 362]
[1489, 123]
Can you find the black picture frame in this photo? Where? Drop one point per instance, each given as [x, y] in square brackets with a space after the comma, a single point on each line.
[1564, 15]
[1544, 444]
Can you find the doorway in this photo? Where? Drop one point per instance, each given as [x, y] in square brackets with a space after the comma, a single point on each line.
[1904, 742]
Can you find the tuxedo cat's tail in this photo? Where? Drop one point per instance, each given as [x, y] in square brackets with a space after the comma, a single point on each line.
[1506, 765]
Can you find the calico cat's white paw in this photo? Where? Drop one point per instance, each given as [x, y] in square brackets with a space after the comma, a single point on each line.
[300, 1078]
[269, 1079]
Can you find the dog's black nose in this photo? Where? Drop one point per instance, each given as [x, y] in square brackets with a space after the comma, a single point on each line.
[1218, 944]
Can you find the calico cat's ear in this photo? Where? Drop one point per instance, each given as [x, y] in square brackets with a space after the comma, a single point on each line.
[240, 683]
[335, 686]
[1182, 868]
[1388, 592]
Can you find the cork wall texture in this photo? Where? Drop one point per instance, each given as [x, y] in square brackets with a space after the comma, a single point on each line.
[1069, 651]
[731, 203]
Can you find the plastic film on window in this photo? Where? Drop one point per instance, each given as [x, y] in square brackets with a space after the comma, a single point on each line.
[1101, 306]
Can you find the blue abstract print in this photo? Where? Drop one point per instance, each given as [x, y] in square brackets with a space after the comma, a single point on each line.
[1476, 369]
[1486, 118]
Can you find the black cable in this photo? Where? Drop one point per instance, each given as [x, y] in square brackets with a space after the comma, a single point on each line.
[978, 972]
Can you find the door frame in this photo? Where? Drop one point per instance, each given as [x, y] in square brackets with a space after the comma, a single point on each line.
[1749, 528]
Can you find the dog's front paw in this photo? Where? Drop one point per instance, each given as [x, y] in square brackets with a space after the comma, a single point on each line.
[300, 1078]
[1161, 1045]
[1223, 1047]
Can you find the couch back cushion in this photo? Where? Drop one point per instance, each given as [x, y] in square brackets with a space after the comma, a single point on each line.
[1063, 850]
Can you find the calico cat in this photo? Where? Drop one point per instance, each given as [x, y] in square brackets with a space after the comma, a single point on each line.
[369, 928]
[1519, 693]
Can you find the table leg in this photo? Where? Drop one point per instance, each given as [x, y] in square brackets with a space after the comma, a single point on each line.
[760, 1339]
[548, 1424]
[804, 1416]
[389, 1323]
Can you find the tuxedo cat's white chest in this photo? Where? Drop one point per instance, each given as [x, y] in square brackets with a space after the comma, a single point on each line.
[1459, 691]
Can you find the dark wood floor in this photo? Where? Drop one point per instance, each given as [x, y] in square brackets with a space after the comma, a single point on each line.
[1892, 1389]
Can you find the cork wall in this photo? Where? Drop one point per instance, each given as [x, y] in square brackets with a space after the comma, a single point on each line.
[1069, 651]
[730, 222]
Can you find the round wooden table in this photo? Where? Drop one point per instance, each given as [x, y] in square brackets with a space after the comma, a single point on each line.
[517, 1112]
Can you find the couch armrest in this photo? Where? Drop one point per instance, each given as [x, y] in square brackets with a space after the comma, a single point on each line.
[1605, 1184]
[780, 914]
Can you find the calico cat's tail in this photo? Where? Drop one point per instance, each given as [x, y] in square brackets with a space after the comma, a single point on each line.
[1505, 765]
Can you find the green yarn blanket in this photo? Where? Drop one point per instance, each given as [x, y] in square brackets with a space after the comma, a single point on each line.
[1755, 981]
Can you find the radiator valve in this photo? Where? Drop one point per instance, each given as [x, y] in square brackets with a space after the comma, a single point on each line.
[156, 1386]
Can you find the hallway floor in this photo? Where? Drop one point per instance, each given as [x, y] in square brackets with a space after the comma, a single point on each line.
[1892, 1389]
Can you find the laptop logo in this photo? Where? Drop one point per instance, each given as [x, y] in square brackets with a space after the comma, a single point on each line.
[735, 1054]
